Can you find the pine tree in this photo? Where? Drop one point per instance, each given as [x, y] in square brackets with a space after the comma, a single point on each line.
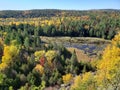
[27, 43]
[73, 62]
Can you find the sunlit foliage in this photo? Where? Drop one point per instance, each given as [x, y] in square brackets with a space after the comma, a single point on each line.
[39, 54]
[9, 54]
[39, 68]
[84, 82]
[67, 78]
[50, 55]
[26, 63]
[107, 75]
[109, 66]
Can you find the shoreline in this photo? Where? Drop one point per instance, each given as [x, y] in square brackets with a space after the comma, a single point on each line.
[87, 40]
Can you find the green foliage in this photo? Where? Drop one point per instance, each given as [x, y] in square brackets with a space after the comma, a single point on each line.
[84, 24]
[28, 64]
[84, 82]
[2, 77]
[7, 40]
[108, 70]
[27, 42]
[42, 86]
[10, 88]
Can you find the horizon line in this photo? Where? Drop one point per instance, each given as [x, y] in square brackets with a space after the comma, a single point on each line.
[60, 9]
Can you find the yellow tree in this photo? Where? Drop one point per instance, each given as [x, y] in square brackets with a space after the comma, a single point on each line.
[50, 55]
[84, 82]
[67, 78]
[109, 67]
[39, 68]
[9, 54]
[39, 54]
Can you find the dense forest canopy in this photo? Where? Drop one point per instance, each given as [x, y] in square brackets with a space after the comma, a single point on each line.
[91, 23]
[28, 63]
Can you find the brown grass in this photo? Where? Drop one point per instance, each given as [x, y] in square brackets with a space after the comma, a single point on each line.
[81, 56]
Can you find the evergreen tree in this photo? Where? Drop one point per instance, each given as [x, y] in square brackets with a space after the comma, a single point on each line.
[7, 40]
[38, 41]
[73, 63]
[27, 43]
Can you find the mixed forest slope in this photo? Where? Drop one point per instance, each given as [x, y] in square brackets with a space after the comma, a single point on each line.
[92, 23]
[28, 63]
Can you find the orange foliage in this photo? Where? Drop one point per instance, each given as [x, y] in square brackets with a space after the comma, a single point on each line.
[39, 68]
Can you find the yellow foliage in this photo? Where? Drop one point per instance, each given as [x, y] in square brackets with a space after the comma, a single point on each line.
[39, 68]
[6, 59]
[4, 34]
[67, 78]
[3, 66]
[50, 54]
[94, 63]
[77, 82]
[38, 21]
[17, 23]
[1, 41]
[39, 54]
[8, 55]
[109, 66]
[116, 40]
[87, 76]
[84, 82]
[86, 26]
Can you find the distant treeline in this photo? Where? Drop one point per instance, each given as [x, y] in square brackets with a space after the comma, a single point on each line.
[92, 23]
[22, 31]
[51, 13]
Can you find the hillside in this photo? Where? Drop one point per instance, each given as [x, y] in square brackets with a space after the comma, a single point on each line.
[51, 12]
[45, 49]
[90, 23]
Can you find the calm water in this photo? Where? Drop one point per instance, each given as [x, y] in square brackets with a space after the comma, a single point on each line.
[88, 48]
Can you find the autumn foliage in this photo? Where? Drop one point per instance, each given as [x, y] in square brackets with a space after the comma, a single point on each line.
[9, 54]
[108, 71]
[67, 78]
[28, 63]
[109, 66]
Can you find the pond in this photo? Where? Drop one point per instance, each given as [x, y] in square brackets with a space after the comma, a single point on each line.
[86, 47]
[90, 46]
[91, 49]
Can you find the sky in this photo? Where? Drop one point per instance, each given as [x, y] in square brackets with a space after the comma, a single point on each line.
[59, 4]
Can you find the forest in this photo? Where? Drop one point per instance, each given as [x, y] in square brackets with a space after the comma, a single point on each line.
[28, 63]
